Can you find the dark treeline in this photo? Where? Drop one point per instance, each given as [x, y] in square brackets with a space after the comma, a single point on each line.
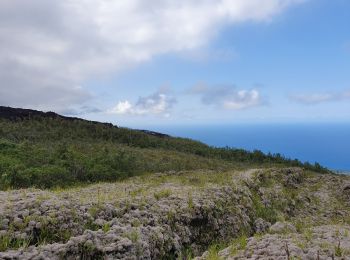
[52, 151]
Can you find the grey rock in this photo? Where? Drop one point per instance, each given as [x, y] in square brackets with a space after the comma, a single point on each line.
[261, 226]
[282, 228]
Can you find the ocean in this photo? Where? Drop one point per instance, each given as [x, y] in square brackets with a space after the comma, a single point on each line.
[327, 144]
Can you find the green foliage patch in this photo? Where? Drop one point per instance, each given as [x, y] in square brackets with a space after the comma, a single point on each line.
[54, 152]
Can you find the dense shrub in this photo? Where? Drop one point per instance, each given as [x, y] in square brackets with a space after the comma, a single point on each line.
[47, 152]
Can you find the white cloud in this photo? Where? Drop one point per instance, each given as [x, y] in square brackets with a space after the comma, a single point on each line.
[53, 46]
[243, 99]
[317, 98]
[158, 103]
[227, 97]
[123, 107]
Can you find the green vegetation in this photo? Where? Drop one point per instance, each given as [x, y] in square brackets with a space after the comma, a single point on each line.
[338, 251]
[162, 194]
[8, 242]
[239, 243]
[213, 252]
[48, 152]
[268, 213]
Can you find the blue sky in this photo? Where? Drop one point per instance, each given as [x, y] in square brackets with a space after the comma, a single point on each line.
[247, 61]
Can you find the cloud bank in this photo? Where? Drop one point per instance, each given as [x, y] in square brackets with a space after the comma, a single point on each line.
[318, 98]
[159, 104]
[49, 49]
[228, 97]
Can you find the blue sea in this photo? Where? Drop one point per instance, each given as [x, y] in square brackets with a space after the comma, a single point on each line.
[327, 144]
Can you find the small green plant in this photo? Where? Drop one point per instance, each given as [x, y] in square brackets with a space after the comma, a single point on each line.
[190, 201]
[133, 236]
[5, 241]
[90, 225]
[106, 227]
[338, 251]
[135, 222]
[89, 251]
[300, 226]
[213, 252]
[171, 219]
[237, 244]
[187, 253]
[136, 192]
[262, 211]
[8, 242]
[65, 235]
[308, 235]
[300, 243]
[162, 194]
[95, 210]
[258, 236]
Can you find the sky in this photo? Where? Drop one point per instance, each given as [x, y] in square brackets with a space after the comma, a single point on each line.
[163, 62]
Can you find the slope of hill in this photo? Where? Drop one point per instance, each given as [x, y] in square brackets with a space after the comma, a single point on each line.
[158, 197]
[45, 150]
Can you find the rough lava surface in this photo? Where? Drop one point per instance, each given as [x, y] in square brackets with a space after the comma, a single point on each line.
[277, 213]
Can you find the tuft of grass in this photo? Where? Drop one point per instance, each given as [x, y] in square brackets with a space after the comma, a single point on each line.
[95, 210]
[106, 227]
[7, 242]
[171, 218]
[190, 201]
[187, 254]
[162, 194]
[338, 251]
[133, 236]
[308, 235]
[90, 225]
[136, 223]
[237, 244]
[213, 252]
[267, 213]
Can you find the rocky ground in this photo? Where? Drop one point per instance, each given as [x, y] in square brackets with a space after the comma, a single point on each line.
[254, 214]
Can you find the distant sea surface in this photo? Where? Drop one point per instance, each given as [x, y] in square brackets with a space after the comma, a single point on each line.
[327, 144]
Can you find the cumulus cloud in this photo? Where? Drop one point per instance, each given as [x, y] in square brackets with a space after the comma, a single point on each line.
[317, 98]
[228, 97]
[158, 103]
[50, 48]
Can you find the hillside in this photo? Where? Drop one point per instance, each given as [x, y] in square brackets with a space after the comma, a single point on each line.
[46, 150]
[78, 189]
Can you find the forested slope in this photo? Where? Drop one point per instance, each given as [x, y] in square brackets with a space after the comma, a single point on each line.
[46, 150]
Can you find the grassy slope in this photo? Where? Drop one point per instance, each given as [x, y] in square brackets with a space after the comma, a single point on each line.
[47, 150]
